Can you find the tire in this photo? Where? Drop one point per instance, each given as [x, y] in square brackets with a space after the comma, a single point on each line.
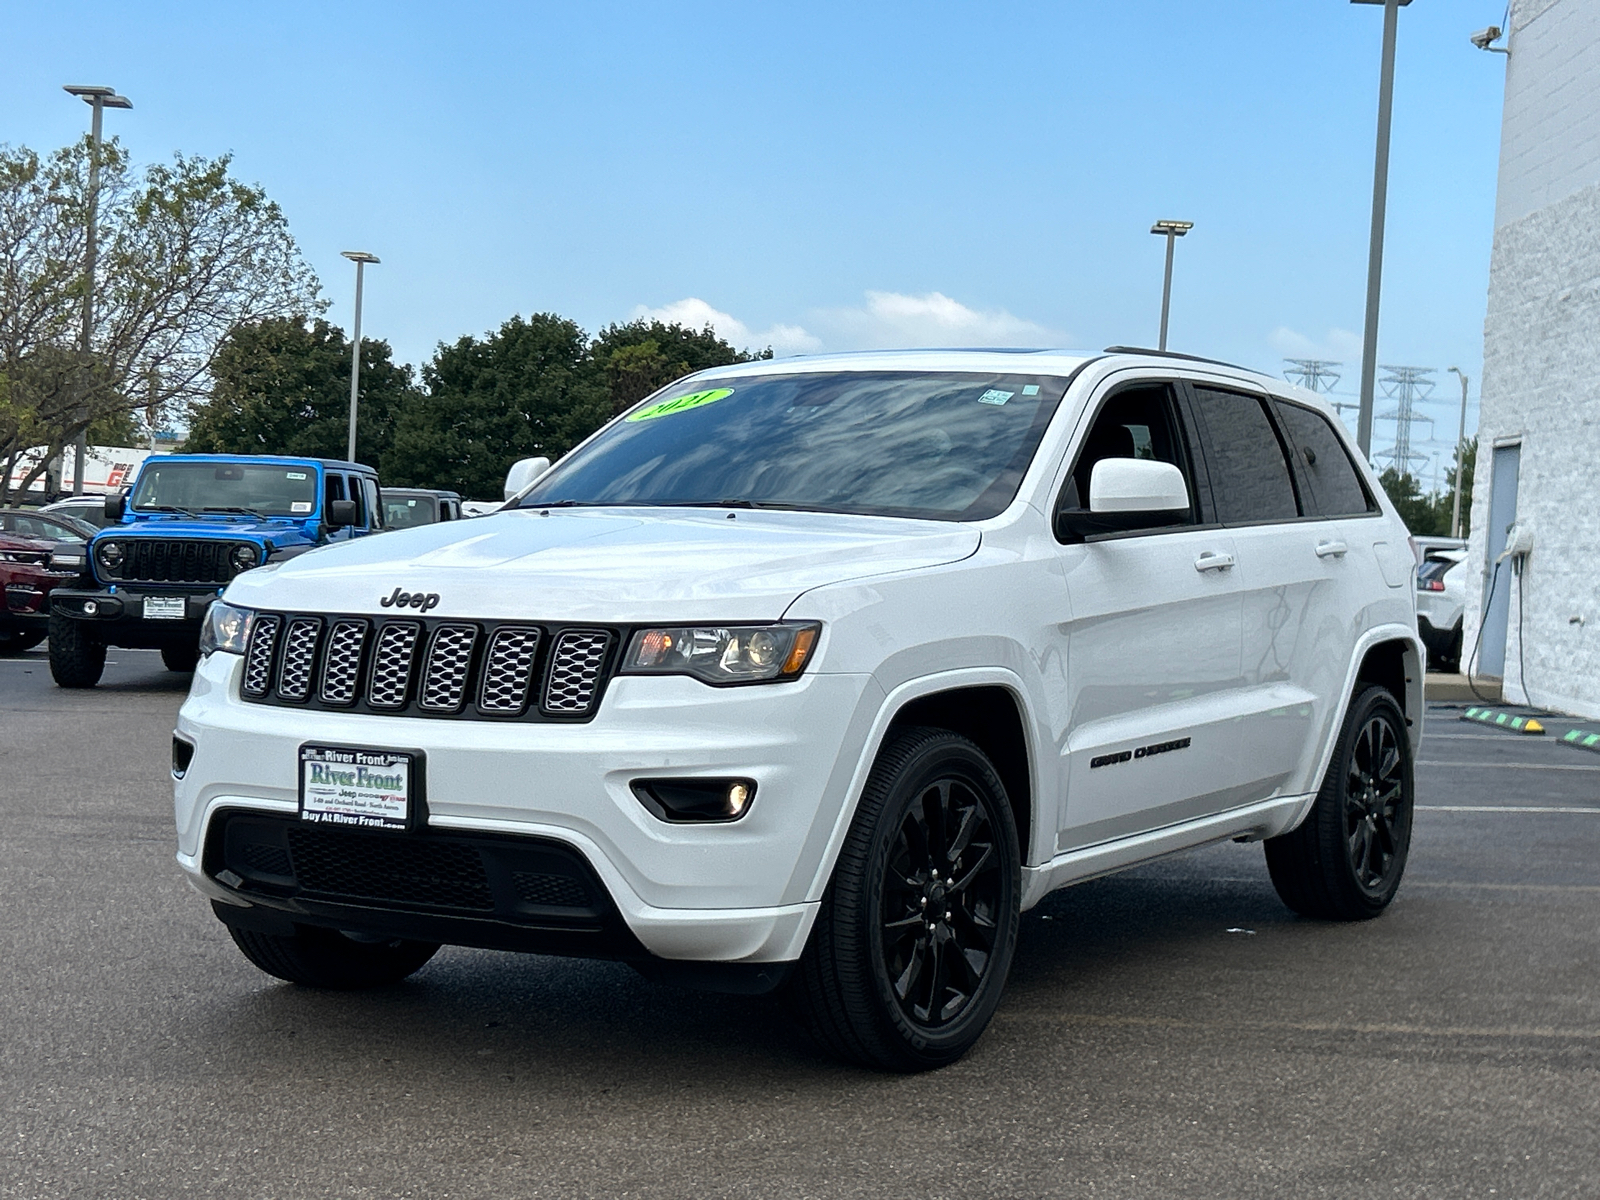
[180, 658]
[77, 657]
[17, 641]
[1345, 861]
[326, 958]
[1451, 660]
[932, 802]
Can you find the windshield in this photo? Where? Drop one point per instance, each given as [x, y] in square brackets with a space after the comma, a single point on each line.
[949, 446]
[401, 512]
[260, 489]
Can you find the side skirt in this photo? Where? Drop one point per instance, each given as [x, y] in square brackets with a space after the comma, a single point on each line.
[1265, 819]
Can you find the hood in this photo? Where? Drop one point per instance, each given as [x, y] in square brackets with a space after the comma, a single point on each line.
[611, 565]
[222, 527]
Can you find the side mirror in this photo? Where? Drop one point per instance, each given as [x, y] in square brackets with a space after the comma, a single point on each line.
[116, 505]
[342, 513]
[1126, 494]
[524, 472]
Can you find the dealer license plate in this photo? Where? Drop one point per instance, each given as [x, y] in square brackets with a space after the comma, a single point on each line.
[361, 789]
[165, 608]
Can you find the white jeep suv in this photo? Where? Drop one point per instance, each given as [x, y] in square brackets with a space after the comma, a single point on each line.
[817, 673]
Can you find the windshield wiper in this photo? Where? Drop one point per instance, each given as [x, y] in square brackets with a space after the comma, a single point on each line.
[233, 508]
[167, 508]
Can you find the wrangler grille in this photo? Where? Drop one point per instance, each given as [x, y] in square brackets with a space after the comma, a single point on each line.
[432, 668]
[164, 560]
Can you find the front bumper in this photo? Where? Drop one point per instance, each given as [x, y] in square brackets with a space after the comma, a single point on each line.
[118, 614]
[740, 892]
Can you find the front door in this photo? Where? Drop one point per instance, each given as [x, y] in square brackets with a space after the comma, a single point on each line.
[1153, 643]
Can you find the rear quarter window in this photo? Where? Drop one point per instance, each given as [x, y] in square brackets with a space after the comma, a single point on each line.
[1323, 463]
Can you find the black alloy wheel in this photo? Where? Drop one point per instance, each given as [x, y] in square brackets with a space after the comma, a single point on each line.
[939, 910]
[1345, 860]
[913, 942]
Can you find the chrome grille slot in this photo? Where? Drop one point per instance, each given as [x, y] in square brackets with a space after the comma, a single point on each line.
[258, 655]
[392, 658]
[444, 677]
[299, 653]
[574, 675]
[508, 671]
[341, 665]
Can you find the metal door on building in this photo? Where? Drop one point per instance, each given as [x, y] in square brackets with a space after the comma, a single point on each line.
[1497, 593]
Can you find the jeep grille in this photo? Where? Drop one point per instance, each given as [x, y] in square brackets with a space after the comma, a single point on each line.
[425, 667]
[164, 560]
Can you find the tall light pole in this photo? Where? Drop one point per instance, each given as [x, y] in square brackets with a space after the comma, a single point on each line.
[99, 99]
[1380, 200]
[1173, 231]
[361, 258]
[1461, 458]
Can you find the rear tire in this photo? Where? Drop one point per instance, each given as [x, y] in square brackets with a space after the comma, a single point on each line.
[17, 641]
[180, 658]
[326, 958]
[911, 948]
[77, 657]
[1345, 861]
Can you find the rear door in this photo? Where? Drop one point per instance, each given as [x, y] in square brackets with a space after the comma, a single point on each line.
[1152, 645]
[1282, 480]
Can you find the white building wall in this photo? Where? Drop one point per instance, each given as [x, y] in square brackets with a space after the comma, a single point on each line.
[1541, 374]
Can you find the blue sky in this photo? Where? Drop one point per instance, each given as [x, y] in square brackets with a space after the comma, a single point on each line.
[833, 176]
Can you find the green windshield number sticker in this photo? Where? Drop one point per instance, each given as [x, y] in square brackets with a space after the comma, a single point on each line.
[665, 408]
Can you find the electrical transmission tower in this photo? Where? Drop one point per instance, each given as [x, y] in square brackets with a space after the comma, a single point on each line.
[1317, 375]
[1405, 386]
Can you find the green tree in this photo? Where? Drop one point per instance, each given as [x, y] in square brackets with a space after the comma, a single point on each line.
[1419, 512]
[642, 356]
[529, 388]
[282, 386]
[1466, 461]
[186, 253]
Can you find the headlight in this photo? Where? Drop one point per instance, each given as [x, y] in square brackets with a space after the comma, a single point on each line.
[723, 654]
[109, 555]
[226, 628]
[243, 557]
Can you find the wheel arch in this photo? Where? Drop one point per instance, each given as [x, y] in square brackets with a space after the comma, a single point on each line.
[952, 700]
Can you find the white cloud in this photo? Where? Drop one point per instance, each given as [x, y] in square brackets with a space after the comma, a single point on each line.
[1339, 345]
[694, 313]
[894, 319]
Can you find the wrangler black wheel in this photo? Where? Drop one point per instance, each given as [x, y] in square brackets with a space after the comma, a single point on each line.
[77, 657]
[180, 657]
[327, 958]
[1346, 859]
[911, 949]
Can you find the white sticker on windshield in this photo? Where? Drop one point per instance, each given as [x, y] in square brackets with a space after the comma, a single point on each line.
[294, 474]
[993, 396]
[300, 506]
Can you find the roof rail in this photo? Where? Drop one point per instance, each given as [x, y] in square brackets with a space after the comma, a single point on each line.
[1217, 362]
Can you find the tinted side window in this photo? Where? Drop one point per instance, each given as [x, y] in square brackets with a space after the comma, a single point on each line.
[333, 489]
[1249, 475]
[1321, 458]
[1136, 422]
[370, 502]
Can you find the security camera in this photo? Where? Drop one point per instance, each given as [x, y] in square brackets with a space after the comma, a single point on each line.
[1484, 37]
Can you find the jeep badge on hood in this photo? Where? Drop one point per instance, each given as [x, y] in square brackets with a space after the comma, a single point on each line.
[422, 600]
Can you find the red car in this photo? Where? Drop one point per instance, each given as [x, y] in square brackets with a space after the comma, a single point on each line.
[26, 578]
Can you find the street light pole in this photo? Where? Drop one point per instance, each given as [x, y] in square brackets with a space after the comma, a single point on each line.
[1380, 199]
[1173, 231]
[1461, 458]
[99, 99]
[361, 258]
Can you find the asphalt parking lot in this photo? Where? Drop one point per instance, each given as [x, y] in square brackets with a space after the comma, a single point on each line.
[1172, 1031]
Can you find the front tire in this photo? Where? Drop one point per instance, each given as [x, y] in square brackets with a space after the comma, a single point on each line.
[326, 958]
[77, 657]
[911, 948]
[1345, 861]
[18, 641]
[180, 658]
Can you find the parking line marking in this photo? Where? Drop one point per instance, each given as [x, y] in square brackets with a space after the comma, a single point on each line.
[1554, 888]
[1504, 808]
[1474, 1031]
[1510, 766]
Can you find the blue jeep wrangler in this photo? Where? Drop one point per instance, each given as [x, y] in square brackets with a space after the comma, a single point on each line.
[191, 523]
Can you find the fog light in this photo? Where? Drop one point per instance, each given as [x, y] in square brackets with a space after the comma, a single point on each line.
[699, 801]
[91, 607]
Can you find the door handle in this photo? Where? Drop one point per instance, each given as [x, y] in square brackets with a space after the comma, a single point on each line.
[1213, 562]
[1331, 549]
